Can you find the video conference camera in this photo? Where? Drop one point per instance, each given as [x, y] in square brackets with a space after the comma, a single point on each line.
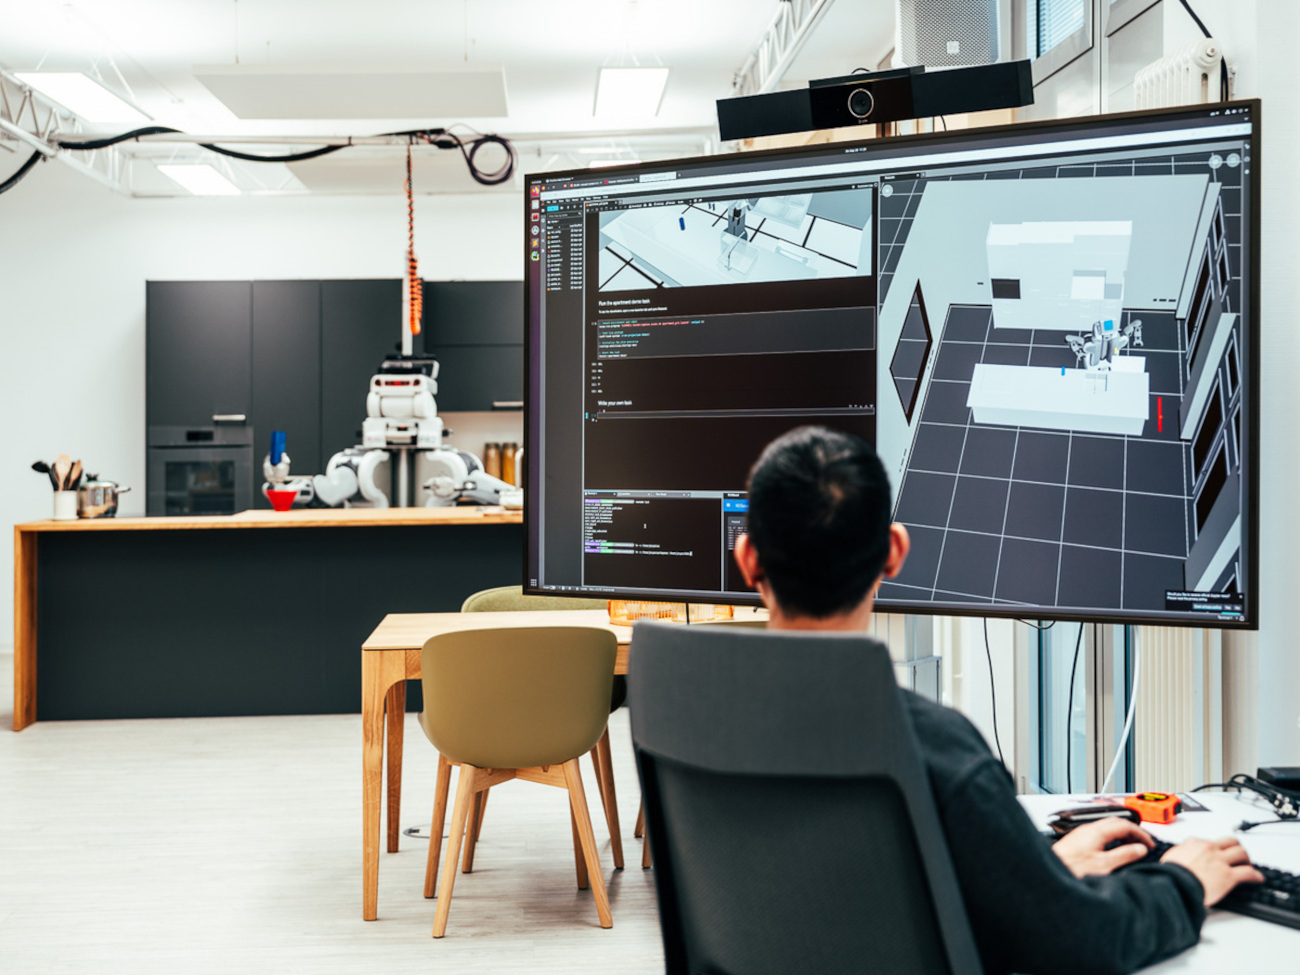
[875, 97]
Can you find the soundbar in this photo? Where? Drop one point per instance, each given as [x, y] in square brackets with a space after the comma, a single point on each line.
[882, 96]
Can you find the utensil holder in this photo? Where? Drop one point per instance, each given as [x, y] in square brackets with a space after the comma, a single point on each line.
[65, 505]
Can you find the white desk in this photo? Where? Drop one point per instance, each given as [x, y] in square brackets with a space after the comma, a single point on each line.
[1229, 942]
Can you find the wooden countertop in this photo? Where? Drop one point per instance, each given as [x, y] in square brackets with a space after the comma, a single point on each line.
[298, 518]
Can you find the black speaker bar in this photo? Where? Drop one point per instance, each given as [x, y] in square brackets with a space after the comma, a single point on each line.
[885, 96]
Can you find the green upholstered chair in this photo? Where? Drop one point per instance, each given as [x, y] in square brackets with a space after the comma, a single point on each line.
[509, 599]
[514, 703]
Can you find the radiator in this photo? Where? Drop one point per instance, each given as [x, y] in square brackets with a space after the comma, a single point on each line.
[1185, 77]
[1178, 727]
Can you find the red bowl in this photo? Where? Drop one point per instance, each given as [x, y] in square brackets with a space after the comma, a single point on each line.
[281, 500]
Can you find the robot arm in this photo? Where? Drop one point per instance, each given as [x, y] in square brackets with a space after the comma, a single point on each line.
[457, 474]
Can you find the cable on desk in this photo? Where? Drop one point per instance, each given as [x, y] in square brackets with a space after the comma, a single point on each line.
[1284, 802]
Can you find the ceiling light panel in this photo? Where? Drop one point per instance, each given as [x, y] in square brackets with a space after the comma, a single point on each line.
[83, 96]
[630, 92]
[461, 90]
[201, 180]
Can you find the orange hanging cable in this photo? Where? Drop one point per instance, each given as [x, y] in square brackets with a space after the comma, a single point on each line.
[414, 287]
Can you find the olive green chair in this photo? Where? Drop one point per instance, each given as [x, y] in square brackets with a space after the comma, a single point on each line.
[514, 703]
[510, 599]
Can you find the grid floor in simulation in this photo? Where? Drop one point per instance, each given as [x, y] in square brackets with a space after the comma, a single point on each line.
[1008, 515]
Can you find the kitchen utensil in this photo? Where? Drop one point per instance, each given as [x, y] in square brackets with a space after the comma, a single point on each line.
[62, 468]
[98, 499]
[74, 478]
[41, 467]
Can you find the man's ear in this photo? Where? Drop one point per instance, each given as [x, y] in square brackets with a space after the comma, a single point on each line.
[747, 560]
[900, 543]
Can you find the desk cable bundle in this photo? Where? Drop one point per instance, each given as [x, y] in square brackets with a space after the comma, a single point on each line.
[1284, 802]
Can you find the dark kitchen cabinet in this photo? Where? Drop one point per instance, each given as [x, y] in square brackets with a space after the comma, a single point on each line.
[476, 331]
[297, 356]
[198, 352]
[287, 374]
[360, 325]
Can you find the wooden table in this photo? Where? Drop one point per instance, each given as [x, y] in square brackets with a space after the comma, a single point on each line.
[390, 657]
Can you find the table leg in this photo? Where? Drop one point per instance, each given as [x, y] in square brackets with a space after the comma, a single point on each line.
[396, 722]
[24, 628]
[380, 670]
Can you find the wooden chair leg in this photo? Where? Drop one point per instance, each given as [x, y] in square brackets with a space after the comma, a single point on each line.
[639, 829]
[579, 861]
[645, 854]
[610, 798]
[459, 818]
[471, 831]
[482, 808]
[439, 821]
[582, 826]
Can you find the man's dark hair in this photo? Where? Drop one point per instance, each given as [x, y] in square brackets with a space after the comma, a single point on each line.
[819, 506]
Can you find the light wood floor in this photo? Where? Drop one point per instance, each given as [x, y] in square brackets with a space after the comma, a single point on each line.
[233, 845]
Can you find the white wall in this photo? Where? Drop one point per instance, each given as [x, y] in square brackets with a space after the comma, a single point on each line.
[74, 258]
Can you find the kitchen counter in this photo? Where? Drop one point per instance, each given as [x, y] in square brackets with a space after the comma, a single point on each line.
[297, 518]
[170, 617]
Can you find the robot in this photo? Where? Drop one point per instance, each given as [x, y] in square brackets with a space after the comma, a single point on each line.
[401, 420]
[1096, 352]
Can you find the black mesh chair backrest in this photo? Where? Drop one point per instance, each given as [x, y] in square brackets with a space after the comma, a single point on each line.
[789, 813]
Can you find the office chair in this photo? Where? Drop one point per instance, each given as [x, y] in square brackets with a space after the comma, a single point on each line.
[514, 703]
[511, 599]
[790, 812]
[638, 829]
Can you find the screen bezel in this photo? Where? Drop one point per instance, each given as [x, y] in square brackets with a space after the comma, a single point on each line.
[1252, 332]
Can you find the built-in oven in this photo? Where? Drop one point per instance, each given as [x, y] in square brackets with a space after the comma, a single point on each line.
[199, 470]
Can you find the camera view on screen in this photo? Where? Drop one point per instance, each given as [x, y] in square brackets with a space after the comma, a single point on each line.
[1046, 331]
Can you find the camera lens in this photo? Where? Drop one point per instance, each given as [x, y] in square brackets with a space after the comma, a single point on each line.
[861, 103]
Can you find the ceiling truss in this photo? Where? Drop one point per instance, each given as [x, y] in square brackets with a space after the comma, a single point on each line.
[33, 121]
[767, 64]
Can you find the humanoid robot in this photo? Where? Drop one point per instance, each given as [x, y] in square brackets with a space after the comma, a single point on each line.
[401, 419]
[1096, 352]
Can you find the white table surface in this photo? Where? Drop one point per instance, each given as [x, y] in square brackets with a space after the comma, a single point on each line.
[1229, 942]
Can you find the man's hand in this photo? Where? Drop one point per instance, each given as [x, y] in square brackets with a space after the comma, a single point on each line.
[1218, 864]
[1084, 848]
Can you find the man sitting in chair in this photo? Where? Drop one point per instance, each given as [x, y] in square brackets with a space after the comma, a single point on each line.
[819, 543]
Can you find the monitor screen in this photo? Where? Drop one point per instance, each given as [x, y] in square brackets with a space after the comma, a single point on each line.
[1048, 331]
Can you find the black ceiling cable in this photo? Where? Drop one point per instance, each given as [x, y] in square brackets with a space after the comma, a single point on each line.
[21, 171]
[439, 138]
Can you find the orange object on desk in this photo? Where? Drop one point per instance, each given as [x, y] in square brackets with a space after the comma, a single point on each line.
[1155, 807]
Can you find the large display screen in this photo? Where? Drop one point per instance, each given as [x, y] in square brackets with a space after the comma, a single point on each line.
[1049, 331]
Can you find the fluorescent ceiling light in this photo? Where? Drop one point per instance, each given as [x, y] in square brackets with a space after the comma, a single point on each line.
[201, 180]
[81, 95]
[602, 163]
[630, 92]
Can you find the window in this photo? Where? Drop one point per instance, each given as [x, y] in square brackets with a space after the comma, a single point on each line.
[1078, 734]
[1052, 21]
